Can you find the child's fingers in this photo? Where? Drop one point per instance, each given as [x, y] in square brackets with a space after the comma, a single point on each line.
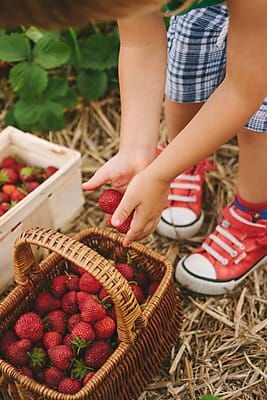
[99, 179]
[124, 209]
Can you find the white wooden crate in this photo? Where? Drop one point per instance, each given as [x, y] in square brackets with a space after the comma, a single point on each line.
[53, 204]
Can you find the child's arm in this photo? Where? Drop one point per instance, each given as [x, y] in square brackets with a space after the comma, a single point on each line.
[142, 70]
[226, 111]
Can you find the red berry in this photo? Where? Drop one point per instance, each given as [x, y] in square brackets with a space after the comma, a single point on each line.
[59, 285]
[8, 189]
[126, 270]
[69, 303]
[7, 339]
[125, 227]
[108, 221]
[92, 311]
[19, 167]
[88, 378]
[77, 270]
[18, 195]
[53, 376]
[49, 171]
[68, 340]
[69, 386]
[103, 294]
[83, 331]
[29, 326]
[17, 352]
[104, 328]
[89, 284]
[142, 279]
[4, 197]
[152, 288]
[137, 291]
[26, 371]
[45, 303]
[27, 174]
[5, 207]
[73, 321]
[112, 314]
[57, 321]
[61, 356]
[52, 339]
[9, 162]
[82, 297]
[8, 175]
[31, 186]
[109, 201]
[97, 354]
[73, 283]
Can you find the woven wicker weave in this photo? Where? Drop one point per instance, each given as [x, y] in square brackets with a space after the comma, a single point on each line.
[146, 337]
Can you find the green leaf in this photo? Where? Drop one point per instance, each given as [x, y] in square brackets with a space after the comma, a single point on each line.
[57, 88]
[27, 112]
[100, 52]
[10, 119]
[14, 47]
[28, 79]
[52, 116]
[70, 100]
[34, 34]
[50, 52]
[92, 84]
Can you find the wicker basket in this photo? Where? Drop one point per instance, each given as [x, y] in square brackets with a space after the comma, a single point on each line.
[146, 337]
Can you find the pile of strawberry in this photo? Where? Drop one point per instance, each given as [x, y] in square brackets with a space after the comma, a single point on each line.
[71, 332]
[17, 180]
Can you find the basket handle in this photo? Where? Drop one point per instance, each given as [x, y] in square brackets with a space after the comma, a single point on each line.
[129, 314]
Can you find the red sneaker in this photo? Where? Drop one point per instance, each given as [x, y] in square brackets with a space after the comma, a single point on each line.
[236, 247]
[184, 216]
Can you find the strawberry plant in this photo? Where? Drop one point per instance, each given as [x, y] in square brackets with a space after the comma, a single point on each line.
[50, 72]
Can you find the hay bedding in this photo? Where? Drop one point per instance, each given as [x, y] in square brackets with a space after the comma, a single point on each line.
[223, 346]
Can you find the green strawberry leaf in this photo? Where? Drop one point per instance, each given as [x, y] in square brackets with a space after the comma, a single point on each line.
[80, 370]
[92, 84]
[50, 52]
[27, 112]
[28, 79]
[100, 52]
[14, 47]
[57, 88]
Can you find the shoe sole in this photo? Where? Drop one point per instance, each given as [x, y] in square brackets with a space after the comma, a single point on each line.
[206, 286]
[172, 231]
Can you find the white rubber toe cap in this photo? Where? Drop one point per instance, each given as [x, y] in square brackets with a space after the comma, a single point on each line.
[180, 216]
[199, 266]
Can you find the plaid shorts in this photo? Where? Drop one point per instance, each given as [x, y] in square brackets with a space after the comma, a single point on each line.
[197, 59]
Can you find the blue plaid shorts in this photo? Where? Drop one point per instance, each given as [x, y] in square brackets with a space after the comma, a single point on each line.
[197, 59]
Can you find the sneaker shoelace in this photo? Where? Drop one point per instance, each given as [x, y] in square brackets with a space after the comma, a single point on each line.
[219, 237]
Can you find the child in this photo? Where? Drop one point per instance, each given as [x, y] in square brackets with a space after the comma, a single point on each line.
[196, 68]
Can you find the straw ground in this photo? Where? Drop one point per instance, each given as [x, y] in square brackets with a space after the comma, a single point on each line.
[223, 346]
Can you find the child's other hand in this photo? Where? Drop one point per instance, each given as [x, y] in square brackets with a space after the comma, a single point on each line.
[146, 196]
[119, 170]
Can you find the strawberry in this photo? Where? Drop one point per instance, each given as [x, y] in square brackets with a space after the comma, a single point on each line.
[68, 341]
[126, 270]
[61, 356]
[69, 303]
[112, 314]
[8, 175]
[77, 270]
[2, 212]
[108, 221]
[82, 335]
[89, 284]
[46, 302]
[39, 376]
[31, 186]
[92, 311]
[73, 283]
[8, 188]
[17, 352]
[73, 321]
[142, 279]
[52, 339]
[104, 295]
[30, 326]
[27, 174]
[39, 174]
[88, 377]
[50, 170]
[57, 321]
[104, 328]
[5, 207]
[82, 297]
[18, 195]
[19, 167]
[53, 376]
[80, 370]
[152, 288]
[97, 354]
[125, 227]
[4, 198]
[109, 201]
[26, 371]
[59, 285]
[38, 358]
[9, 162]
[8, 338]
[137, 291]
[69, 386]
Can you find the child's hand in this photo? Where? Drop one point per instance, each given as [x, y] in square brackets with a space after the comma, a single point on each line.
[119, 170]
[146, 195]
